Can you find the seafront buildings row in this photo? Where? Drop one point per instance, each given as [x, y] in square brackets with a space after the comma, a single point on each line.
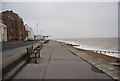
[12, 27]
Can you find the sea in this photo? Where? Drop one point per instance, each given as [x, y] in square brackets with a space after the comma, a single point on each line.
[101, 44]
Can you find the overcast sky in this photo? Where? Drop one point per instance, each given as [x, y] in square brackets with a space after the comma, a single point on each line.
[69, 19]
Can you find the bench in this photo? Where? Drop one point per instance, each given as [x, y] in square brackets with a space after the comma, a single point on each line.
[34, 51]
[37, 51]
[46, 41]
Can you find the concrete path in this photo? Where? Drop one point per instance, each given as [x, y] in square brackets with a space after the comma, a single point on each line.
[57, 62]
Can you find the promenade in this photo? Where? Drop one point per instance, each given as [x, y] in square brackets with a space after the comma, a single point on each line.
[57, 62]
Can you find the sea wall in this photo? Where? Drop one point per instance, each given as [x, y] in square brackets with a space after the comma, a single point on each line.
[12, 64]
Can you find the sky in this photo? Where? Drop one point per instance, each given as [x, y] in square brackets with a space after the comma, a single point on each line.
[68, 19]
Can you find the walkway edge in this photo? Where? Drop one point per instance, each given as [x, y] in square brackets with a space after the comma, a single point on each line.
[108, 69]
[13, 71]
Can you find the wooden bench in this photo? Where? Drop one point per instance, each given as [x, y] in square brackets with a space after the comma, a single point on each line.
[46, 41]
[34, 51]
[37, 51]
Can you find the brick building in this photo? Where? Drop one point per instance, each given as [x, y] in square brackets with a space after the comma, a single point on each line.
[15, 27]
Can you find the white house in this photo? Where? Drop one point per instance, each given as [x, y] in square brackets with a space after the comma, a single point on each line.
[3, 33]
[30, 32]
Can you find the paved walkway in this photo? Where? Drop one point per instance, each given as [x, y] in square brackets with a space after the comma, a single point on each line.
[57, 62]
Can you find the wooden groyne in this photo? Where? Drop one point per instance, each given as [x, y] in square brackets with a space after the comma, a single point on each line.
[99, 51]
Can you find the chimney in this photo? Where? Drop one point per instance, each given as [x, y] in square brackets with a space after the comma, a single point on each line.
[11, 11]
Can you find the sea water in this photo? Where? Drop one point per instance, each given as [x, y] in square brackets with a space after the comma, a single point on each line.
[101, 44]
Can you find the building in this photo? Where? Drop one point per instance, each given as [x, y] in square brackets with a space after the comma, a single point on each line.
[30, 35]
[38, 37]
[45, 38]
[3, 33]
[15, 27]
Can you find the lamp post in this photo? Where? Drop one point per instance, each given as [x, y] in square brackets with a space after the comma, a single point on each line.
[37, 28]
[41, 32]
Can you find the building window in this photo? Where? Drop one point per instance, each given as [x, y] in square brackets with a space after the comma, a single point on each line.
[10, 37]
[12, 24]
[11, 30]
[20, 33]
[9, 18]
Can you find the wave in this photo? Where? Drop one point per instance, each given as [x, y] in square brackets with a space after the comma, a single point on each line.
[85, 47]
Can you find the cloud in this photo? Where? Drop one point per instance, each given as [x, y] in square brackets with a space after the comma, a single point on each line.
[69, 19]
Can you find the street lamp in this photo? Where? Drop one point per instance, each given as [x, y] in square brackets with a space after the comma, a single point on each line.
[41, 32]
[37, 28]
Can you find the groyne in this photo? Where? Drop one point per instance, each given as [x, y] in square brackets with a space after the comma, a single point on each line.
[96, 53]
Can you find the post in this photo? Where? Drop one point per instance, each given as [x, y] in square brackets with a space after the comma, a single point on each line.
[37, 28]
